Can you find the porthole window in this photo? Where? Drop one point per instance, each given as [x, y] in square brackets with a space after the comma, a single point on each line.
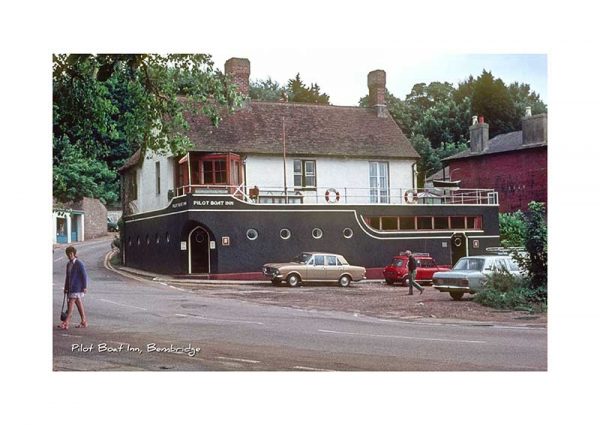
[317, 233]
[348, 233]
[252, 234]
[167, 237]
[285, 233]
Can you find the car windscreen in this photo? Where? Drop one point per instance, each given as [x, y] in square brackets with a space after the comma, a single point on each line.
[302, 258]
[398, 263]
[469, 264]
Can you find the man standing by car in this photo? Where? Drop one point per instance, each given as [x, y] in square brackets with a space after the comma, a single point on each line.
[412, 274]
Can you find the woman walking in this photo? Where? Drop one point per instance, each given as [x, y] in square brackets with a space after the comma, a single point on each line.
[75, 288]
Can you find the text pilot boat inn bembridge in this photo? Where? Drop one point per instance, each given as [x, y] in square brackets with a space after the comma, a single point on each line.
[277, 178]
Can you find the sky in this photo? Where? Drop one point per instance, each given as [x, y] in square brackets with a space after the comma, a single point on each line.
[342, 72]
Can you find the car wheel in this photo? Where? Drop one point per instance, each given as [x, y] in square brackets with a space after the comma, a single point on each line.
[293, 280]
[344, 281]
[389, 281]
[456, 295]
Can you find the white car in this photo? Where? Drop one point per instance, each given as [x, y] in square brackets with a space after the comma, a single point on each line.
[470, 274]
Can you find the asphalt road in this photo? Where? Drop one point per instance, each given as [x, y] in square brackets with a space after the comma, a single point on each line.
[137, 324]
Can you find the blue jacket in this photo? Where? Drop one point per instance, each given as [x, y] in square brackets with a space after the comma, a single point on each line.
[78, 277]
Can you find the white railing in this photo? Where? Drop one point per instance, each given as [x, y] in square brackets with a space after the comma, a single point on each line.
[347, 195]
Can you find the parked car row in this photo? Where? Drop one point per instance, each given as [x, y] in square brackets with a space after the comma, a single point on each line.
[469, 274]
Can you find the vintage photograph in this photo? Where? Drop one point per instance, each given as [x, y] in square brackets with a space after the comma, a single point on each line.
[299, 211]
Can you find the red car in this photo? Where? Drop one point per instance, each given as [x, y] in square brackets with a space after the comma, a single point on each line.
[397, 271]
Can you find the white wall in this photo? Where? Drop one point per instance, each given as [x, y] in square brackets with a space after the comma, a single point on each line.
[350, 177]
[148, 199]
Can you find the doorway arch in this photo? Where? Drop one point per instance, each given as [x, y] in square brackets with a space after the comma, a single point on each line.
[198, 251]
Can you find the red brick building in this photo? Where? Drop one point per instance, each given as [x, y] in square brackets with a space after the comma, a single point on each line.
[514, 164]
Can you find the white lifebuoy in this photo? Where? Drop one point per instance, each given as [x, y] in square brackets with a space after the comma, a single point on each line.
[329, 196]
[457, 241]
[410, 196]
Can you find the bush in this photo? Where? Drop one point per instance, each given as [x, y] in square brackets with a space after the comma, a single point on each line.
[507, 292]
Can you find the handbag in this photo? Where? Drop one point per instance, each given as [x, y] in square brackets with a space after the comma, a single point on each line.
[63, 312]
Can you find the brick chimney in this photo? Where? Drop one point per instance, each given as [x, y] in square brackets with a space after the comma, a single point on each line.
[480, 135]
[535, 128]
[239, 71]
[376, 83]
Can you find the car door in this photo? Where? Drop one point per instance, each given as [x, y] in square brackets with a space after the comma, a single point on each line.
[334, 267]
[316, 268]
[426, 270]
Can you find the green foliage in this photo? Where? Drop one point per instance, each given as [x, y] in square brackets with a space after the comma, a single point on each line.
[294, 91]
[441, 114]
[530, 293]
[507, 292]
[536, 245]
[512, 229]
[76, 176]
[107, 106]
[267, 90]
[297, 91]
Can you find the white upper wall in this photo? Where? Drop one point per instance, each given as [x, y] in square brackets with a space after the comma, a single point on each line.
[148, 197]
[350, 177]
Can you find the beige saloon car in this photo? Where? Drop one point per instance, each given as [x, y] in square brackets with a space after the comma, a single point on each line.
[314, 267]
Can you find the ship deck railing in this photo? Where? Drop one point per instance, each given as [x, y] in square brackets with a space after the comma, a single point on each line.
[347, 195]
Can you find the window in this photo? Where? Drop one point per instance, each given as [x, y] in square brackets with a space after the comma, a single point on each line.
[285, 233]
[319, 260]
[157, 169]
[305, 174]
[407, 223]
[378, 182]
[214, 171]
[332, 260]
[441, 223]
[389, 223]
[132, 185]
[424, 223]
[317, 233]
[348, 233]
[252, 234]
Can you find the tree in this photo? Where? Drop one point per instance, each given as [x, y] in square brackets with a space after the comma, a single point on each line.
[107, 106]
[298, 92]
[492, 99]
[267, 90]
[536, 244]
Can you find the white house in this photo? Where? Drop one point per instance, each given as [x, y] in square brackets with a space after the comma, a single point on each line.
[279, 152]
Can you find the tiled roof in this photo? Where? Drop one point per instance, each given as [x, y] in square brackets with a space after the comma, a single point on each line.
[501, 143]
[133, 160]
[309, 130]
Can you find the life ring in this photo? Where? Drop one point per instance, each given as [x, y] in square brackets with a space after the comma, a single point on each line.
[329, 196]
[457, 241]
[410, 196]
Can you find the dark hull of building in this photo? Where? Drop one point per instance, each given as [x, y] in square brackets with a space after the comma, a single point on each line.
[223, 237]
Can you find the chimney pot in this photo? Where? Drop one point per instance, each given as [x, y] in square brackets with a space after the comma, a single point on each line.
[528, 111]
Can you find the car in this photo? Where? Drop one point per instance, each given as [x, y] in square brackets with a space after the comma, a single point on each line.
[397, 270]
[112, 226]
[470, 274]
[314, 267]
